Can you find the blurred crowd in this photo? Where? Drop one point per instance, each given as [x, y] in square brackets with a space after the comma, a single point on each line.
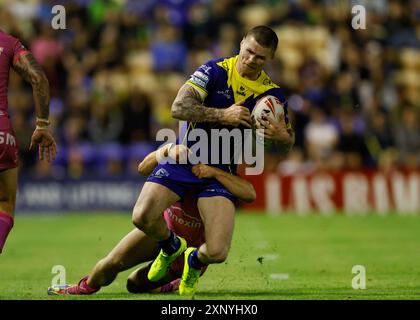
[354, 94]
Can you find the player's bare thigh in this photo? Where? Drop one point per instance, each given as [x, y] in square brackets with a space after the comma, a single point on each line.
[152, 201]
[8, 188]
[218, 215]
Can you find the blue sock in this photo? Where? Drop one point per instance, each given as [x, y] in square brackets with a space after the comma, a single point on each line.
[194, 262]
[170, 245]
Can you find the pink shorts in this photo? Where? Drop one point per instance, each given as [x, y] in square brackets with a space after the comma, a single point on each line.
[9, 150]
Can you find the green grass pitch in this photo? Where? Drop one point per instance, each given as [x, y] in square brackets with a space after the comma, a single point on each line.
[272, 257]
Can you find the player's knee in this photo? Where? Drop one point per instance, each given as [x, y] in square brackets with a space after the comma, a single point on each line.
[139, 218]
[141, 221]
[144, 221]
[218, 254]
[141, 215]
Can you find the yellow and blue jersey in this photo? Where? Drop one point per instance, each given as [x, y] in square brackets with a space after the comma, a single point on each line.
[220, 86]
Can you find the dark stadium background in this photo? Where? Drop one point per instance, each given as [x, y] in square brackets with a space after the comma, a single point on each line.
[115, 70]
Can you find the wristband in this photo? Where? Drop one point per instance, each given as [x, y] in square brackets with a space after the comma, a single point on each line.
[43, 120]
[38, 127]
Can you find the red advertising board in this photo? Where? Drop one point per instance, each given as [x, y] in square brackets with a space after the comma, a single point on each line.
[350, 192]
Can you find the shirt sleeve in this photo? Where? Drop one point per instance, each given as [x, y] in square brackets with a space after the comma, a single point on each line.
[18, 50]
[203, 78]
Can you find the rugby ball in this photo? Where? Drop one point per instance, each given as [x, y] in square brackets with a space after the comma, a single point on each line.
[266, 107]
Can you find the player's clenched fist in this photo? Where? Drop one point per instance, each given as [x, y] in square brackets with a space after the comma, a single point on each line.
[275, 130]
[203, 171]
[236, 115]
[179, 153]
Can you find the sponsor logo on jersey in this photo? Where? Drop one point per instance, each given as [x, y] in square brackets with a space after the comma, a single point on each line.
[205, 68]
[267, 82]
[198, 81]
[184, 219]
[224, 93]
[7, 138]
[241, 91]
[201, 75]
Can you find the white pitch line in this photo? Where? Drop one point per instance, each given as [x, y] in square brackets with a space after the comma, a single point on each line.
[279, 276]
[270, 257]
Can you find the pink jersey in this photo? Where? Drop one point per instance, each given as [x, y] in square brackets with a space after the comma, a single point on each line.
[10, 50]
[183, 218]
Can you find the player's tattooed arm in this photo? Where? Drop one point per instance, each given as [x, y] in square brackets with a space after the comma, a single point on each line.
[188, 105]
[27, 67]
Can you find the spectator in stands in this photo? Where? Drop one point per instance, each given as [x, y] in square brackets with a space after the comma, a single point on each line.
[136, 51]
[407, 134]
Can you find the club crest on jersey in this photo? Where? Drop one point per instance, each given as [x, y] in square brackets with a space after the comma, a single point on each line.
[161, 173]
[1, 50]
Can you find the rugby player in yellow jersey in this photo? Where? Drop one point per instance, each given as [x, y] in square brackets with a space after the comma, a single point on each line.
[220, 94]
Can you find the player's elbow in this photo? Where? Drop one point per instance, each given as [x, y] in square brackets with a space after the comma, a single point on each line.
[143, 170]
[250, 195]
[176, 114]
[176, 111]
[39, 78]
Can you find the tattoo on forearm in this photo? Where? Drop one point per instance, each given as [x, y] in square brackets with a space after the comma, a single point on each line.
[188, 106]
[31, 71]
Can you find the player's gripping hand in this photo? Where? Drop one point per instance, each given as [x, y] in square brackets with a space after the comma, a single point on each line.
[179, 152]
[236, 115]
[47, 148]
[203, 171]
[274, 130]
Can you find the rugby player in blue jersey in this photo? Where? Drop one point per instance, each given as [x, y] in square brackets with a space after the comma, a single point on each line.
[220, 94]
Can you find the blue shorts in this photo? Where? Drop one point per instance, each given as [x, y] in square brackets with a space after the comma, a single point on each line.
[179, 178]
